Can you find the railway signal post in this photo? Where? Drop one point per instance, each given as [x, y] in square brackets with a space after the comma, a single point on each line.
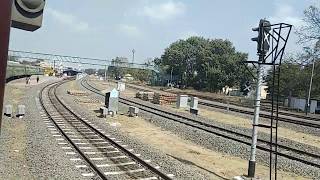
[262, 47]
[273, 37]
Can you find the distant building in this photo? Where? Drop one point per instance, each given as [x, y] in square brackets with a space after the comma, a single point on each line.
[128, 77]
[44, 64]
[300, 104]
[120, 61]
[70, 72]
[264, 91]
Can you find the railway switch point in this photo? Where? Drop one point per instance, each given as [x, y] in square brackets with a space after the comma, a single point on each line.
[182, 101]
[133, 111]
[8, 110]
[21, 111]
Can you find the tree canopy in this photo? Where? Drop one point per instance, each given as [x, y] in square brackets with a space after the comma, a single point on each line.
[295, 75]
[296, 70]
[203, 63]
[311, 29]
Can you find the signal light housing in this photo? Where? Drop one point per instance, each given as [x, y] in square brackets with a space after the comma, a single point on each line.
[27, 14]
[263, 38]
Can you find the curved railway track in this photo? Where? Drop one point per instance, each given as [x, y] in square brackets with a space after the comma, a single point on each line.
[106, 157]
[284, 151]
[284, 116]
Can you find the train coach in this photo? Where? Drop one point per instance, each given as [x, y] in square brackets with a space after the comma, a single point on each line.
[16, 70]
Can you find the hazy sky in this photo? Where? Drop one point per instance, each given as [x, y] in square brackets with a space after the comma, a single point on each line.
[110, 28]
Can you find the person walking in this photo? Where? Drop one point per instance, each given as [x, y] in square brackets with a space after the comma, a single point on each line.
[38, 79]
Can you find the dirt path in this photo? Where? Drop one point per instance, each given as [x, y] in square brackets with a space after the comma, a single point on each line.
[218, 164]
[13, 138]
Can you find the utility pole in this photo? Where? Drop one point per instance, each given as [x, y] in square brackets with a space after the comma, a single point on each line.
[310, 86]
[105, 71]
[171, 76]
[5, 23]
[133, 51]
[54, 66]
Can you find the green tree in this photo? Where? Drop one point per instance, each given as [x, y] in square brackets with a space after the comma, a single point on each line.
[295, 74]
[204, 63]
[310, 31]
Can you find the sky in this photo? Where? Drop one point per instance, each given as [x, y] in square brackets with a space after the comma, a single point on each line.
[109, 28]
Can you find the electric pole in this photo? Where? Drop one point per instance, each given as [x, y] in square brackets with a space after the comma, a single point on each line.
[315, 53]
[310, 86]
[171, 76]
[105, 71]
[133, 51]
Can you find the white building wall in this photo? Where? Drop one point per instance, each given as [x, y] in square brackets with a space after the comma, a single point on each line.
[300, 104]
[313, 106]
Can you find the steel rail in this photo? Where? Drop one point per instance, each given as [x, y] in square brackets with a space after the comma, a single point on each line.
[153, 111]
[243, 111]
[85, 157]
[307, 124]
[124, 150]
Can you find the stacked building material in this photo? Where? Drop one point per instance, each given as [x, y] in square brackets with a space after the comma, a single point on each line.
[145, 95]
[77, 93]
[87, 100]
[139, 95]
[164, 98]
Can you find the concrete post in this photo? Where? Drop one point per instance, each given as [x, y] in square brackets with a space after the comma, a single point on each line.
[310, 87]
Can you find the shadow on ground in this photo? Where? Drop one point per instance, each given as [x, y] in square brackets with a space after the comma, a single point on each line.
[193, 164]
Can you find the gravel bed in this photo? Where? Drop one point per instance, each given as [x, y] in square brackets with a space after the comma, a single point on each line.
[168, 164]
[220, 144]
[38, 155]
[246, 131]
[297, 128]
[228, 146]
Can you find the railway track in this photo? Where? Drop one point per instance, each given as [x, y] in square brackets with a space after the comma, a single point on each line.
[284, 116]
[265, 115]
[302, 156]
[104, 157]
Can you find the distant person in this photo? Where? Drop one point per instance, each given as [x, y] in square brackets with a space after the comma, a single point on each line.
[38, 79]
[27, 80]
